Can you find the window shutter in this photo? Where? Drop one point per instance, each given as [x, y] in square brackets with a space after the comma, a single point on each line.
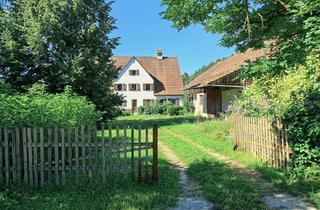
[144, 86]
[138, 72]
[124, 87]
[138, 87]
[152, 86]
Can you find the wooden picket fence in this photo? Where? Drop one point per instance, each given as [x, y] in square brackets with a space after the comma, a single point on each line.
[44, 156]
[264, 138]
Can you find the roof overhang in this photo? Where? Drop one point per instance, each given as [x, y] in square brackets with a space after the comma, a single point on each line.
[213, 85]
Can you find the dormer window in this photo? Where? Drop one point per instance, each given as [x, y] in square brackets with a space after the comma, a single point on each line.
[133, 72]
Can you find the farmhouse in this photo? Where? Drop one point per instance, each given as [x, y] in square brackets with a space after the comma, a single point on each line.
[144, 80]
[213, 91]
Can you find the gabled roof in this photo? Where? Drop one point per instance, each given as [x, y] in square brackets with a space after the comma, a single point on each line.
[166, 72]
[225, 67]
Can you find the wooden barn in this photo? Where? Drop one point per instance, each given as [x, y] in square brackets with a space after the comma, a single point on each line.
[213, 91]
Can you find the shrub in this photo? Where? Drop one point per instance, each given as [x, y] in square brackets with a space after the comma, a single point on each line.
[167, 109]
[187, 104]
[171, 109]
[40, 109]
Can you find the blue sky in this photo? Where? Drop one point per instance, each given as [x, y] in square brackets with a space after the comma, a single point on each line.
[143, 31]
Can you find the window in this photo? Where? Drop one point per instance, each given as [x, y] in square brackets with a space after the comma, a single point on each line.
[124, 103]
[147, 102]
[201, 99]
[121, 87]
[134, 87]
[133, 72]
[147, 87]
[174, 101]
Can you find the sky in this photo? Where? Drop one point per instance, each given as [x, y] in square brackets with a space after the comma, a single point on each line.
[142, 31]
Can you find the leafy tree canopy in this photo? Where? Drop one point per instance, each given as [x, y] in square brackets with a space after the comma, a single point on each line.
[60, 43]
[291, 25]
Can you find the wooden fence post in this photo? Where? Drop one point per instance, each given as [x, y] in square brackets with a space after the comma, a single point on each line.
[155, 153]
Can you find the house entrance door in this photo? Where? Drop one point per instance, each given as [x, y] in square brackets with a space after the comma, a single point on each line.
[134, 105]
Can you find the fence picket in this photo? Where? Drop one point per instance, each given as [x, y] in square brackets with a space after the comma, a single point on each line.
[69, 151]
[13, 156]
[147, 157]
[30, 156]
[56, 155]
[6, 154]
[132, 153]
[18, 155]
[90, 152]
[76, 151]
[41, 158]
[49, 149]
[103, 154]
[110, 145]
[83, 153]
[139, 154]
[25, 156]
[118, 148]
[96, 152]
[35, 156]
[63, 157]
[125, 150]
[155, 153]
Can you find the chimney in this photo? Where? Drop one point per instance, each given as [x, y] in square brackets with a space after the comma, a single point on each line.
[159, 54]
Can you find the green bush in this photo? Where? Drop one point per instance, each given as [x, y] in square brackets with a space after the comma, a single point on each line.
[167, 109]
[40, 109]
[171, 109]
[187, 104]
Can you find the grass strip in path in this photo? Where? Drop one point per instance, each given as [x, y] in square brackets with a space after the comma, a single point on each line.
[191, 197]
[219, 184]
[272, 199]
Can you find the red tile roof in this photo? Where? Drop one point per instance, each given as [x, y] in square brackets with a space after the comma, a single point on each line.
[166, 72]
[225, 67]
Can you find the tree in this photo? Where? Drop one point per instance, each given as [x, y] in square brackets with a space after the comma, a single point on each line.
[60, 43]
[251, 23]
[185, 78]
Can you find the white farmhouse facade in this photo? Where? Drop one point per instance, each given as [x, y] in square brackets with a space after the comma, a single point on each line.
[146, 80]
